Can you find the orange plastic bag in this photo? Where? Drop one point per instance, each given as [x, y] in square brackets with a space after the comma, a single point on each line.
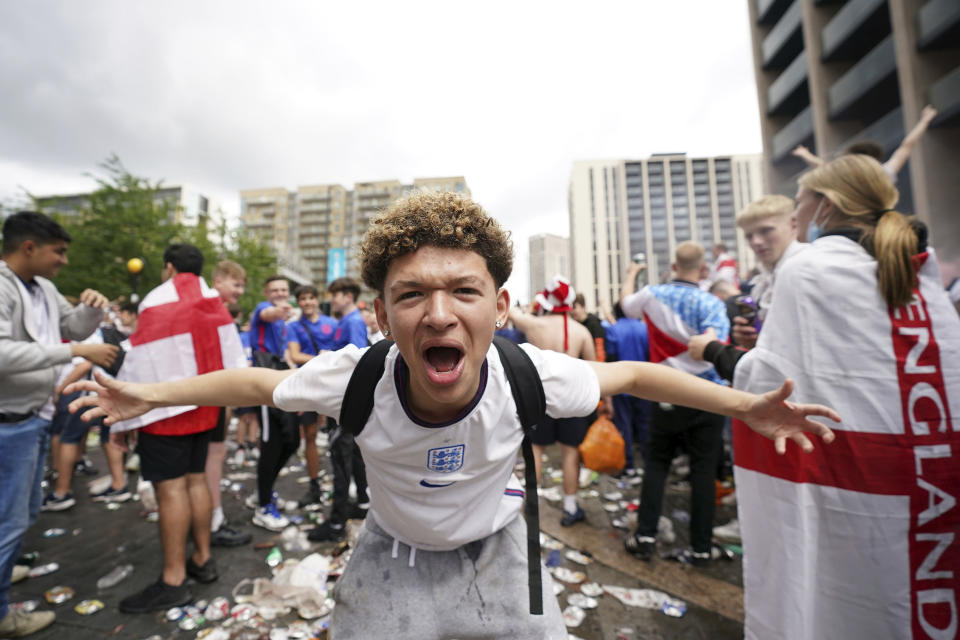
[603, 448]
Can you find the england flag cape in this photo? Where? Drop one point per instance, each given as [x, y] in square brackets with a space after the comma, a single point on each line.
[667, 333]
[860, 539]
[183, 330]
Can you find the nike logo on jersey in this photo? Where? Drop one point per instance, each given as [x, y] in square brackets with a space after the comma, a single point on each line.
[431, 485]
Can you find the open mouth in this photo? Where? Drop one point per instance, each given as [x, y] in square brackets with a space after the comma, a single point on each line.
[444, 364]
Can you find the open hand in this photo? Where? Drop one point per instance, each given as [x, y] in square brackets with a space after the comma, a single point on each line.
[114, 401]
[775, 418]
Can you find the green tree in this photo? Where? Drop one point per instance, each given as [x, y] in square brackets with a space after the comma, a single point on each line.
[126, 217]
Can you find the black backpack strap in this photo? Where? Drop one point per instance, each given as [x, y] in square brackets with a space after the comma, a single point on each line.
[528, 395]
[306, 328]
[358, 398]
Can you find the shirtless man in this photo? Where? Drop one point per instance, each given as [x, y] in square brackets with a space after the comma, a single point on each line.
[555, 331]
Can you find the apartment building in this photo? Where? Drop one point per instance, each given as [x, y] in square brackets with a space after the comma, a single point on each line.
[318, 229]
[549, 256]
[619, 208]
[832, 72]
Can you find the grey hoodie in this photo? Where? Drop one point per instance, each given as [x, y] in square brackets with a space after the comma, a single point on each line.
[27, 365]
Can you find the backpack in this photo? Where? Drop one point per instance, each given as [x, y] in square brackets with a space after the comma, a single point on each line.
[528, 396]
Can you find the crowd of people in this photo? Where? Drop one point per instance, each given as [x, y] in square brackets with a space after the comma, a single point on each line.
[845, 313]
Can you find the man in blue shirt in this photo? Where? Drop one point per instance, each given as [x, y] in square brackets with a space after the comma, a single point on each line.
[627, 340]
[307, 337]
[344, 453]
[679, 306]
[279, 436]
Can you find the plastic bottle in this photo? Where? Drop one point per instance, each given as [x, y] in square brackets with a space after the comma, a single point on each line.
[115, 576]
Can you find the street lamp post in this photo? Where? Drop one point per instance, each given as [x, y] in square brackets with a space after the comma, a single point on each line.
[134, 267]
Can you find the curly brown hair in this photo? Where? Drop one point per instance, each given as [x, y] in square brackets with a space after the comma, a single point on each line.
[439, 219]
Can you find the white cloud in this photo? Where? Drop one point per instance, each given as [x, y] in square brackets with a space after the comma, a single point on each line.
[233, 95]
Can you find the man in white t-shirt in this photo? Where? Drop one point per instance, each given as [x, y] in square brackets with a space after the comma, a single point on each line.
[442, 551]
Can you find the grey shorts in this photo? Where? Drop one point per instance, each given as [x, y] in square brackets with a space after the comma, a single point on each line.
[478, 590]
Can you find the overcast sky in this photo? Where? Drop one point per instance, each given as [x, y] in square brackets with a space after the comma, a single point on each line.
[225, 96]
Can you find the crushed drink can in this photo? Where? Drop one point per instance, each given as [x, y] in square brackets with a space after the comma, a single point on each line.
[88, 607]
[26, 606]
[28, 558]
[673, 608]
[174, 614]
[59, 595]
[274, 558]
[218, 609]
[582, 601]
[243, 612]
[43, 569]
[591, 589]
[191, 623]
[56, 532]
[573, 616]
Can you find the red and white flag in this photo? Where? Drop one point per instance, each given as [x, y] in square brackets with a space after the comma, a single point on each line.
[860, 539]
[183, 330]
[668, 334]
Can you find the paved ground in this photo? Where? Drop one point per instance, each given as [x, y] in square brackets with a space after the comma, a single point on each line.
[99, 539]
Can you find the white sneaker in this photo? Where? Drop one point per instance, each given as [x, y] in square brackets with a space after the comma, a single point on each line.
[133, 463]
[20, 572]
[17, 624]
[729, 532]
[269, 518]
[253, 501]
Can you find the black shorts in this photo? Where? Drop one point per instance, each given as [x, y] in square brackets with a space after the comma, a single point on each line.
[308, 418]
[239, 411]
[568, 431]
[169, 457]
[219, 432]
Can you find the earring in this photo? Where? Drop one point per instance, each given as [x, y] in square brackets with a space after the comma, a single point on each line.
[386, 332]
[499, 324]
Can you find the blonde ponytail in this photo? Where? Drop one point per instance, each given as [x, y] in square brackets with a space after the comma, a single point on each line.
[894, 244]
[859, 187]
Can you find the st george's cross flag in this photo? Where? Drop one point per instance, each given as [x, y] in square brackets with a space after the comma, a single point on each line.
[861, 538]
[183, 330]
[667, 332]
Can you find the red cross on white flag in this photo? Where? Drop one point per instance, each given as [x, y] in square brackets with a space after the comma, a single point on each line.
[861, 538]
[183, 330]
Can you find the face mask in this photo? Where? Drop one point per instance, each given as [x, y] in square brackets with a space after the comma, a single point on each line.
[815, 228]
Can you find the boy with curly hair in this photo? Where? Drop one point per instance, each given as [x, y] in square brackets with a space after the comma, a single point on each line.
[442, 551]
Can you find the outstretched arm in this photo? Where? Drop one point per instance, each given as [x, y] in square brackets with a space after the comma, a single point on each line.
[769, 414]
[902, 154]
[227, 388]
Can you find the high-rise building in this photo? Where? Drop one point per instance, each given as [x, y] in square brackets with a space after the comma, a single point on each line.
[188, 206]
[317, 230]
[619, 208]
[549, 256]
[830, 73]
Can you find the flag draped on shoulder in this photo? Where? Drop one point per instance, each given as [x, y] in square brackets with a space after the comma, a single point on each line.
[861, 538]
[183, 330]
[667, 332]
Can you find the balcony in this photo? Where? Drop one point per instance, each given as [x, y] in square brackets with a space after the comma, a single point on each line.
[785, 40]
[769, 11]
[938, 24]
[788, 94]
[887, 132]
[944, 94]
[797, 131]
[855, 29]
[869, 87]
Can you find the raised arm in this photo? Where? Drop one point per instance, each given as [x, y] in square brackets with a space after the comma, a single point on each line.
[902, 154]
[807, 156]
[227, 388]
[769, 414]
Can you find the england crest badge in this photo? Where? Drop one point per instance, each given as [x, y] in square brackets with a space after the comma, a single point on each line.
[445, 459]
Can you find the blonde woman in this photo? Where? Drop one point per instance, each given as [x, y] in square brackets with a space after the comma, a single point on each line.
[861, 322]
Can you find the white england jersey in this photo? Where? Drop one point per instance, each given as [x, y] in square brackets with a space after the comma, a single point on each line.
[439, 486]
